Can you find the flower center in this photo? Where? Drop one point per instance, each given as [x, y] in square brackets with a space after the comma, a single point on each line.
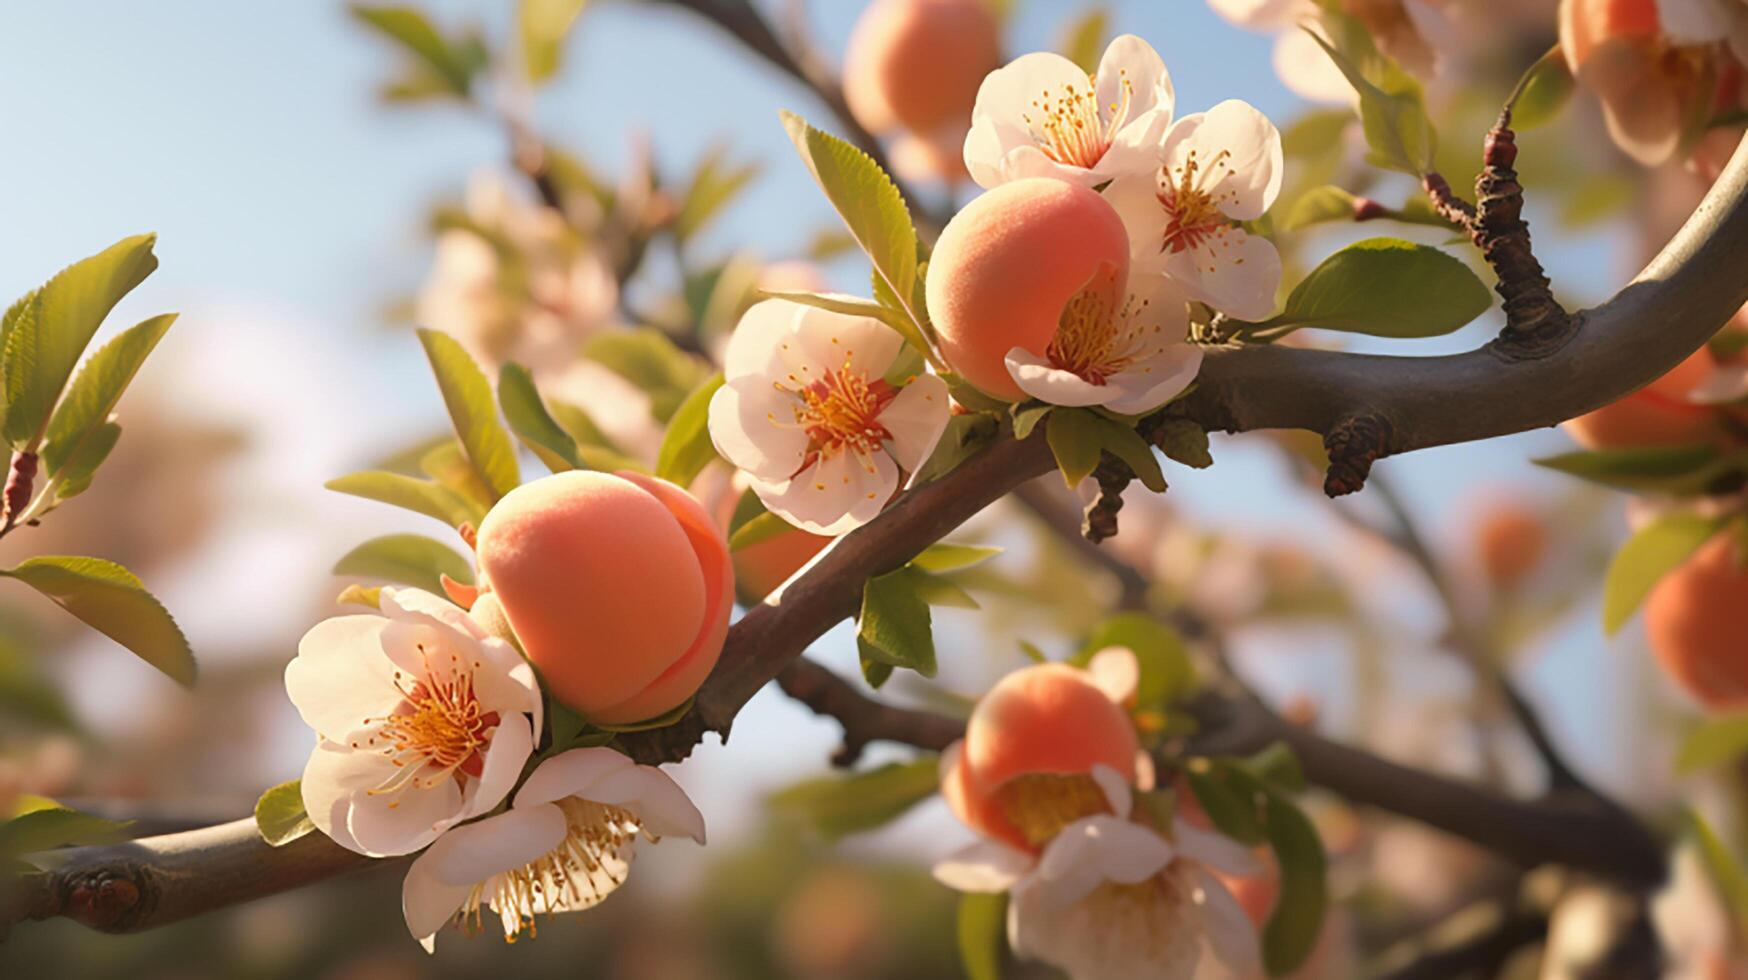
[1192, 197]
[592, 860]
[437, 732]
[1040, 805]
[1096, 339]
[840, 412]
[1067, 127]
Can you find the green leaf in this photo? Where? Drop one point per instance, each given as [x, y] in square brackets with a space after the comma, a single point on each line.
[84, 413]
[1229, 804]
[439, 66]
[982, 934]
[964, 437]
[1292, 928]
[468, 396]
[894, 626]
[410, 559]
[1319, 205]
[840, 805]
[1073, 435]
[109, 599]
[532, 423]
[1677, 470]
[280, 816]
[1721, 866]
[1122, 441]
[686, 446]
[947, 557]
[1166, 673]
[1543, 92]
[1646, 557]
[1183, 441]
[426, 497]
[47, 331]
[939, 590]
[649, 360]
[1393, 113]
[1387, 287]
[79, 469]
[56, 826]
[1277, 765]
[872, 209]
[1083, 38]
[543, 25]
[874, 671]
[764, 527]
[1027, 418]
[27, 695]
[715, 184]
[1716, 742]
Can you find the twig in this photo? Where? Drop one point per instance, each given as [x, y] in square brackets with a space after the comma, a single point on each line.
[864, 719]
[1065, 529]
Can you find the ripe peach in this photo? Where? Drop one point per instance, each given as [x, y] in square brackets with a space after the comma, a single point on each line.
[1045, 721]
[761, 567]
[1007, 265]
[1658, 414]
[617, 586]
[1510, 542]
[917, 64]
[1697, 621]
[1586, 25]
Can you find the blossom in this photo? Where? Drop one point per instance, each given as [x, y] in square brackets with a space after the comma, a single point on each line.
[807, 412]
[1214, 170]
[564, 845]
[422, 719]
[1412, 32]
[1042, 116]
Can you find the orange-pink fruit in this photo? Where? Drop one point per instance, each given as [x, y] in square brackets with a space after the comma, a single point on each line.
[917, 64]
[1042, 721]
[1658, 414]
[761, 567]
[1586, 25]
[618, 588]
[1007, 265]
[1697, 622]
[1510, 542]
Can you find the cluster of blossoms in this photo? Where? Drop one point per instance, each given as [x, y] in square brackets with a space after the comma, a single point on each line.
[1068, 281]
[605, 595]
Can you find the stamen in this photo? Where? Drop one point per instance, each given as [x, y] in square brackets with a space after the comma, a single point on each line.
[1041, 805]
[437, 732]
[1194, 197]
[840, 412]
[592, 860]
[1068, 127]
[1096, 341]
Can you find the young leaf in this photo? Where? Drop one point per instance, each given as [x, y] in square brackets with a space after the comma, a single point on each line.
[84, 413]
[1231, 807]
[715, 183]
[1678, 470]
[840, 805]
[1292, 928]
[543, 25]
[1392, 112]
[894, 625]
[982, 934]
[1646, 557]
[939, 590]
[441, 67]
[532, 423]
[1543, 92]
[1715, 742]
[874, 671]
[1319, 205]
[109, 599]
[948, 557]
[80, 468]
[1123, 442]
[280, 816]
[426, 497]
[1083, 38]
[45, 332]
[686, 446]
[965, 436]
[409, 559]
[468, 396]
[56, 826]
[1387, 287]
[1026, 419]
[763, 527]
[1073, 435]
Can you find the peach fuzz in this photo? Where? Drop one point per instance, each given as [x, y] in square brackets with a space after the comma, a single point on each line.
[1049, 719]
[617, 586]
[1510, 542]
[759, 568]
[1007, 265]
[1697, 622]
[917, 64]
[1658, 414]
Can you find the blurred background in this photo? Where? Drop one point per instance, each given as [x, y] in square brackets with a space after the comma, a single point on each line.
[295, 213]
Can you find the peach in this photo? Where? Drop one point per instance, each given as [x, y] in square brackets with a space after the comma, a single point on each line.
[917, 64]
[759, 568]
[617, 586]
[1009, 263]
[1510, 542]
[1697, 622]
[1586, 25]
[1658, 414]
[1035, 727]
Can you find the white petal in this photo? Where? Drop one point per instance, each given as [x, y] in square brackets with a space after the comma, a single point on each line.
[1115, 786]
[504, 681]
[1094, 850]
[753, 425]
[1304, 67]
[1135, 199]
[834, 495]
[403, 822]
[1130, 59]
[661, 805]
[419, 606]
[332, 776]
[916, 417]
[511, 745]
[1213, 849]
[1229, 931]
[474, 852]
[1692, 22]
[1114, 933]
[1234, 272]
[1148, 384]
[1117, 672]
[1146, 777]
[1259, 14]
[754, 345]
[998, 127]
[1249, 175]
[986, 867]
[1726, 384]
[837, 340]
[572, 773]
[1046, 382]
[428, 903]
[340, 676]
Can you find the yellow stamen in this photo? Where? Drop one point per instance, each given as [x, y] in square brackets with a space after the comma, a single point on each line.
[1042, 804]
[591, 861]
[1068, 127]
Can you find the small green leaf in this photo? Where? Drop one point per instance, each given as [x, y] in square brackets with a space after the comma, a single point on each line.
[1319, 205]
[439, 66]
[1677, 470]
[27, 695]
[1392, 109]
[686, 446]
[45, 332]
[426, 497]
[80, 468]
[56, 826]
[84, 413]
[109, 599]
[1123, 442]
[982, 934]
[360, 595]
[1647, 556]
[1291, 932]
[1716, 742]
[874, 671]
[894, 625]
[1229, 805]
[280, 816]
[947, 557]
[468, 396]
[1277, 765]
[965, 436]
[1073, 435]
[715, 184]
[1027, 418]
[1183, 441]
[409, 559]
[1543, 92]
[532, 423]
[764, 527]
[543, 25]
[1083, 38]
[839, 805]
[939, 590]
[1387, 287]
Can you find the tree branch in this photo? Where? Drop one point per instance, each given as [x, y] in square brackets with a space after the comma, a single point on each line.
[864, 719]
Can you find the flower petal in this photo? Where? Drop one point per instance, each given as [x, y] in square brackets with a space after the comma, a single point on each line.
[419, 606]
[834, 495]
[1241, 149]
[1215, 850]
[428, 903]
[511, 745]
[754, 346]
[403, 822]
[1117, 672]
[1094, 850]
[916, 418]
[752, 423]
[1227, 928]
[472, 853]
[837, 340]
[1148, 384]
[572, 773]
[1234, 272]
[1115, 786]
[986, 867]
[661, 805]
[340, 676]
[1046, 382]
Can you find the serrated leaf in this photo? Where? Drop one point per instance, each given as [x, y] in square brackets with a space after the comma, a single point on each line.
[543, 26]
[1183, 441]
[948, 557]
[83, 413]
[441, 66]
[280, 816]
[409, 559]
[532, 423]
[1715, 742]
[686, 446]
[763, 527]
[982, 933]
[839, 805]
[1647, 556]
[1387, 287]
[56, 826]
[47, 331]
[1393, 115]
[79, 469]
[1293, 926]
[468, 396]
[894, 626]
[426, 497]
[109, 599]
[1543, 91]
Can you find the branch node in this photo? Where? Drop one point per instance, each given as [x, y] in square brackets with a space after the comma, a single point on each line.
[1535, 322]
[1113, 477]
[1354, 444]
